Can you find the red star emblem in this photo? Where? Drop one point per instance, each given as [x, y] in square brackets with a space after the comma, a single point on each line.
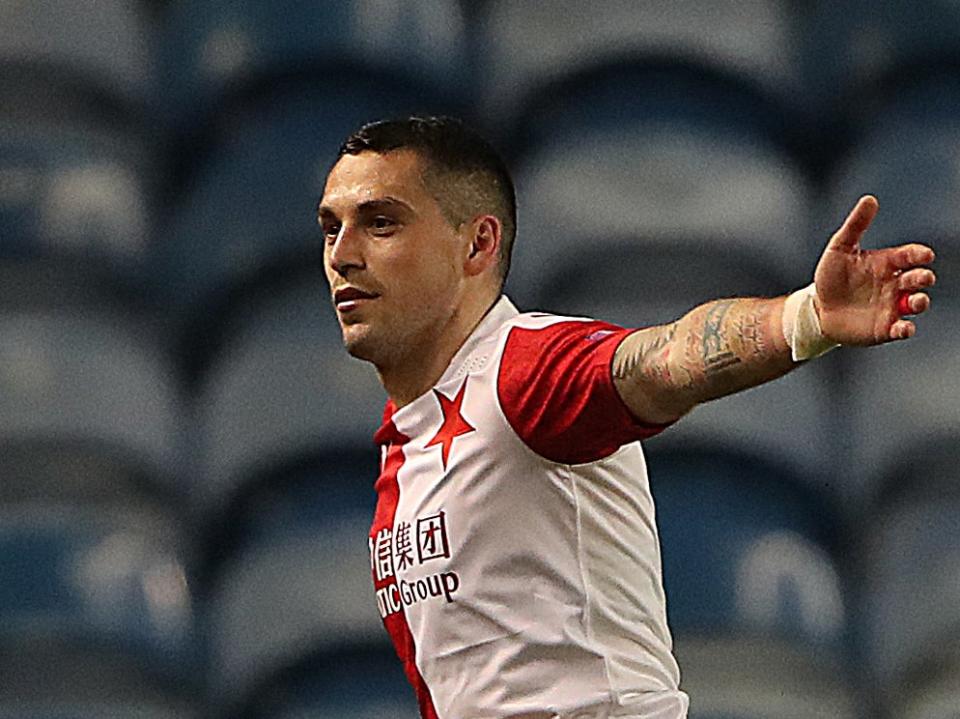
[453, 425]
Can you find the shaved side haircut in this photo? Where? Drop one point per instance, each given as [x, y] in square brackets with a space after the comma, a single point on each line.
[461, 170]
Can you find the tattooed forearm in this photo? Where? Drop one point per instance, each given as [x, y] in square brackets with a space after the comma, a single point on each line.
[717, 355]
[716, 349]
[750, 327]
[646, 346]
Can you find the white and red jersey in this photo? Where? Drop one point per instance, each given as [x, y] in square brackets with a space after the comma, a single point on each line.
[514, 551]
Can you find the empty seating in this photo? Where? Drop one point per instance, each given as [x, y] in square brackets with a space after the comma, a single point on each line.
[308, 490]
[932, 690]
[910, 592]
[847, 64]
[95, 613]
[907, 157]
[75, 190]
[746, 548]
[296, 590]
[637, 283]
[527, 46]
[356, 682]
[901, 398]
[102, 46]
[214, 49]
[754, 598]
[283, 386]
[79, 379]
[792, 419]
[253, 198]
[661, 184]
[746, 677]
[292, 579]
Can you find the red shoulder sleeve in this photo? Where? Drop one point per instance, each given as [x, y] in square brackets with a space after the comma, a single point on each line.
[556, 389]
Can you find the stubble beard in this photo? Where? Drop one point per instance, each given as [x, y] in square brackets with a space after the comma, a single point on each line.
[379, 348]
[388, 346]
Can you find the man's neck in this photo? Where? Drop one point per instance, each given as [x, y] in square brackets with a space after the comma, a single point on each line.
[417, 373]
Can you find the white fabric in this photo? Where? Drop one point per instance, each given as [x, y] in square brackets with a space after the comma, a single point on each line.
[558, 610]
[801, 326]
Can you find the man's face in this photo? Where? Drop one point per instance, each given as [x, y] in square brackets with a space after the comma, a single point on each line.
[393, 261]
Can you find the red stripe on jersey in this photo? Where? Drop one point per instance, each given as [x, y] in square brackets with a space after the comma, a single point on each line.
[388, 496]
[556, 389]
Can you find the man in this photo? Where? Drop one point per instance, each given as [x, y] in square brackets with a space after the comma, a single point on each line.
[514, 553]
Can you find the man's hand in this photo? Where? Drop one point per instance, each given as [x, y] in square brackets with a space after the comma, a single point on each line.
[728, 345]
[858, 290]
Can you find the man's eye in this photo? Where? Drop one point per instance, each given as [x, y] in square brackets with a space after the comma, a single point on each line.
[331, 231]
[382, 224]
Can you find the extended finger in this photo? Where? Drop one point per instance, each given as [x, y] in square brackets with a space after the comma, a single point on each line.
[857, 222]
[913, 304]
[902, 330]
[907, 256]
[916, 279]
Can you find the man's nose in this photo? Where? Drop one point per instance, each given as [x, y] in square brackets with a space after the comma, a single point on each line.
[347, 251]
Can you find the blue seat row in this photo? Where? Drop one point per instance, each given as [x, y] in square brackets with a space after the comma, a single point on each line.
[652, 173]
[765, 589]
[100, 386]
[187, 58]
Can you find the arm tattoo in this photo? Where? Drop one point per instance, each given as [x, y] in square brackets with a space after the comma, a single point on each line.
[717, 355]
[749, 326]
[633, 362]
[715, 349]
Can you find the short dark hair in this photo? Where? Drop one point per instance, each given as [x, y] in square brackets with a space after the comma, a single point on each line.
[462, 170]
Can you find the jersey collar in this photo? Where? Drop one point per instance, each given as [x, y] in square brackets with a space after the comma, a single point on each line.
[499, 313]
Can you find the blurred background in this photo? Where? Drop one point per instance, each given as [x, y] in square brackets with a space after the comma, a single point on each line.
[186, 457]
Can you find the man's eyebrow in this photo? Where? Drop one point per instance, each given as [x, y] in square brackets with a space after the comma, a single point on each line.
[382, 203]
[368, 205]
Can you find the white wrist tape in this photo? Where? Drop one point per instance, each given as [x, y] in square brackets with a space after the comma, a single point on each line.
[801, 326]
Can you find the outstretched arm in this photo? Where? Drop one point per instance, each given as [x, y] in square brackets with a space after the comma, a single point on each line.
[729, 345]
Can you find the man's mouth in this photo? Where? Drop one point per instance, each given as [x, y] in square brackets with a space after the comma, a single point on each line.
[347, 299]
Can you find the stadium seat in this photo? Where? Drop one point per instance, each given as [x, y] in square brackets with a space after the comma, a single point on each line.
[356, 682]
[253, 197]
[793, 420]
[305, 588]
[650, 283]
[901, 400]
[95, 612]
[907, 157]
[931, 470]
[282, 387]
[848, 64]
[92, 385]
[60, 283]
[77, 190]
[746, 677]
[933, 690]
[44, 679]
[308, 490]
[526, 47]
[747, 548]
[637, 283]
[104, 46]
[291, 574]
[214, 49]
[910, 595]
[662, 183]
[47, 469]
[755, 600]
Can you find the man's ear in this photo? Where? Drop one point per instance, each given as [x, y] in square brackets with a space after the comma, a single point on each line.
[485, 238]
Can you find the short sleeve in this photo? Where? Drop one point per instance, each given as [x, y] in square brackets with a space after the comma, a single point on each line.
[555, 386]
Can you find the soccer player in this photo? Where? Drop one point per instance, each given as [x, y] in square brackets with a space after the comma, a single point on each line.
[514, 553]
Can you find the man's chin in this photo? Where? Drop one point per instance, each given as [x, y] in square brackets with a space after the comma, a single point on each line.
[359, 344]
